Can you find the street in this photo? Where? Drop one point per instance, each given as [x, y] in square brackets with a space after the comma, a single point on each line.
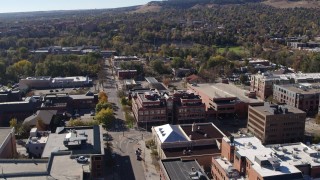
[125, 141]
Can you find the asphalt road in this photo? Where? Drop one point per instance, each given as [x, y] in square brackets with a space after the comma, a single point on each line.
[125, 141]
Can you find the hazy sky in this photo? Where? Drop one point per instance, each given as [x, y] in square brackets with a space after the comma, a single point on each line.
[44, 5]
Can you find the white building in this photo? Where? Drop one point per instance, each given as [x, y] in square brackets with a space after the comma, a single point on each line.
[36, 142]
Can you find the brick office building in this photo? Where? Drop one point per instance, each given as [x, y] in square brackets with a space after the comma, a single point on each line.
[149, 108]
[126, 74]
[188, 108]
[276, 124]
[247, 157]
[304, 96]
[153, 108]
[224, 99]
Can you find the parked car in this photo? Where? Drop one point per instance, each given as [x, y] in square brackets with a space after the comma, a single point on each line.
[82, 159]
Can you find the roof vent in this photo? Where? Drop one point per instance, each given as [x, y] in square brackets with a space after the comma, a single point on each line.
[205, 135]
[193, 128]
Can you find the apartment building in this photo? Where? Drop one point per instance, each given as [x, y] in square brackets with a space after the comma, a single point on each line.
[224, 99]
[247, 158]
[263, 83]
[188, 107]
[276, 124]
[304, 96]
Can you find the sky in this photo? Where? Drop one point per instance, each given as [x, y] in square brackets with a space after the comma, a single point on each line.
[45, 5]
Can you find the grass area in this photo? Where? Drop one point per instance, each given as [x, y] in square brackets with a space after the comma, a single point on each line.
[236, 49]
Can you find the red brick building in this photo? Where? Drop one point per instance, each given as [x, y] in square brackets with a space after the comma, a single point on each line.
[224, 99]
[149, 108]
[126, 74]
[188, 108]
[250, 159]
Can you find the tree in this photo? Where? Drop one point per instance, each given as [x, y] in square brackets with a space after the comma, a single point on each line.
[102, 105]
[103, 98]
[105, 116]
[40, 125]
[13, 123]
[243, 78]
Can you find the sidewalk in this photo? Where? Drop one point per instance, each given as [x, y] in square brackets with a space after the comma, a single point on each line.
[149, 169]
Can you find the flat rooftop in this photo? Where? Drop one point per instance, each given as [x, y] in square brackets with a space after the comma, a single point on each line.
[252, 149]
[267, 110]
[296, 154]
[178, 169]
[93, 145]
[73, 78]
[4, 133]
[211, 131]
[63, 167]
[197, 150]
[303, 88]
[221, 90]
[27, 167]
[228, 168]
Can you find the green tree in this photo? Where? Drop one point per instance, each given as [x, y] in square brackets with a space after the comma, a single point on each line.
[103, 105]
[105, 116]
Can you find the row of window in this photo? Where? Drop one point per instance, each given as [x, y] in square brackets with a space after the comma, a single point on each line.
[152, 112]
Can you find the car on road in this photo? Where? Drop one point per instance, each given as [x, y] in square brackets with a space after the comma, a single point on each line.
[57, 90]
[51, 90]
[82, 159]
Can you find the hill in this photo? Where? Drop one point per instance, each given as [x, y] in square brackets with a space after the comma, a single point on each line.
[292, 4]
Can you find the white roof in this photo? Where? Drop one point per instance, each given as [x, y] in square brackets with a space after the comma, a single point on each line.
[44, 115]
[170, 133]
[297, 154]
[251, 147]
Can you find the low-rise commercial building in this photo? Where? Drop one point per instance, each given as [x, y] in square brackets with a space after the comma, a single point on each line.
[224, 99]
[57, 82]
[304, 96]
[8, 147]
[276, 124]
[179, 169]
[252, 161]
[84, 141]
[198, 141]
[117, 60]
[19, 110]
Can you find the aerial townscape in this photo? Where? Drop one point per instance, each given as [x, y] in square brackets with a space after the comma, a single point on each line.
[169, 90]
